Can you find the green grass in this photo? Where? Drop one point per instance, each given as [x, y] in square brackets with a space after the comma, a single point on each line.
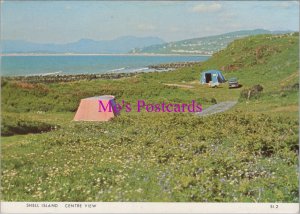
[11, 125]
[128, 159]
[247, 154]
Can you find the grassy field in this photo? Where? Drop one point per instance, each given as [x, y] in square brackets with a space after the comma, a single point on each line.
[247, 154]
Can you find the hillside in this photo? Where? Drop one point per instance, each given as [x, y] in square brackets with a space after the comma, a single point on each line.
[204, 45]
[247, 154]
[119, 45]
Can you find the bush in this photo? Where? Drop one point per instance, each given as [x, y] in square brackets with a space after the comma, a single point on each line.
[292, 87]
[213, 101]
[252, 92]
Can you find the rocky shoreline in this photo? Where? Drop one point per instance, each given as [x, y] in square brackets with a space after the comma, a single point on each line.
[67, 77]
[167, 67]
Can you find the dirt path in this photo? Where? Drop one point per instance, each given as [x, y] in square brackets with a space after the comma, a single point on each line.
[217, 108]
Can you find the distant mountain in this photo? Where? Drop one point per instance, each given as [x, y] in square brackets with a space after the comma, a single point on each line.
[119, 45]
[204, 45]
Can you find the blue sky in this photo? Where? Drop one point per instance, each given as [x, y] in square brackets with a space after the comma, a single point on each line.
[69, 21]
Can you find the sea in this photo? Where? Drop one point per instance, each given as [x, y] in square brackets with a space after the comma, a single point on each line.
[86, 64]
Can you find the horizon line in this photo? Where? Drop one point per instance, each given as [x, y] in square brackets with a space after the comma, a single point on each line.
[165, 41]
[97, 54]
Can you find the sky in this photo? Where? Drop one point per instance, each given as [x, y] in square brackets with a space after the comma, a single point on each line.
[69, 21]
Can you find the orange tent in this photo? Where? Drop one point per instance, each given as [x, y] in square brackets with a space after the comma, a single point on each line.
[101, 108]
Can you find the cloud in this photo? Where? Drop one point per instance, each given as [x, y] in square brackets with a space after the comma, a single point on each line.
[146, 27]
[174, 29]
[68, 7]
[286, 4]
[206, 8]
[227, 15]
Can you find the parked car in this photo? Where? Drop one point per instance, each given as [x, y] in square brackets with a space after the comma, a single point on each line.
[233, 83]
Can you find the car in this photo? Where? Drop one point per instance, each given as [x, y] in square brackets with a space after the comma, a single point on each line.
[233, 83]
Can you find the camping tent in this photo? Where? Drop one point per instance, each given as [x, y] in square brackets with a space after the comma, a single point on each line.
[99, 108]
[214, 76]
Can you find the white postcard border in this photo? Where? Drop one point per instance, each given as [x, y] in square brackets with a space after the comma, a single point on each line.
[146, 207]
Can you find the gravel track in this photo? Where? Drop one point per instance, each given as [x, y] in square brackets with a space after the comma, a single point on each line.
[217, 108]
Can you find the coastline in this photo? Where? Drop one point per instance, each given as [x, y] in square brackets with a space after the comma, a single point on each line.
[55, 78]
[59, 77]
[96, 54]
[127, 65]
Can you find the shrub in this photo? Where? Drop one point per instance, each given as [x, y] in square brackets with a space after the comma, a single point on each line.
[213, 101]
[291, 87]
[252, 92]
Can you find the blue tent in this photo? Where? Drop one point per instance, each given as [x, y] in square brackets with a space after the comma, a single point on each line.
[212, 75]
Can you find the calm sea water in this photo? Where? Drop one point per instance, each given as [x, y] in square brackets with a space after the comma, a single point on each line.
[35, 65]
